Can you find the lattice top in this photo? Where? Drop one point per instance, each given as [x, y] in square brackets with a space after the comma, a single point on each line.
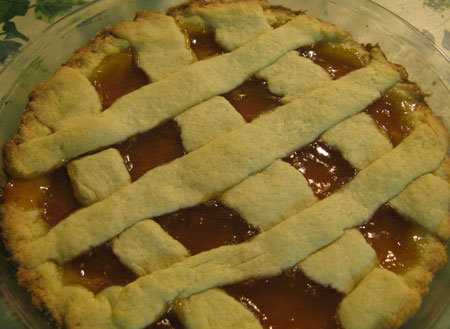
[232, 158]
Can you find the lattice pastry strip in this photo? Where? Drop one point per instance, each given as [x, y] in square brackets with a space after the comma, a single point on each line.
[160, 44]
[416, 203]
[64, 99]
[359, 151]
[381, 292]
[206, 121]
[343, 263]
[234, 24]
[293, 74]
[97, 176]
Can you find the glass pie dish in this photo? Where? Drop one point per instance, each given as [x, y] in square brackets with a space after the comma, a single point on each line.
[367, 22]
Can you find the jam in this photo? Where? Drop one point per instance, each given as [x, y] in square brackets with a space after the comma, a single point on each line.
[59, 200]
[396, 241]
[167, 321]
[289, 301]
[335, 59]
[97, 269]
[323, 167]
[206, 226]
[26, 194]
[117, 75]
[252, 98]
[392, 113]
[203, 44]
[151, 149]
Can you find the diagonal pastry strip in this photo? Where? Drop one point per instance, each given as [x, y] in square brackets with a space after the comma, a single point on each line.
[150, 105]
[144, 300]
[213, 168]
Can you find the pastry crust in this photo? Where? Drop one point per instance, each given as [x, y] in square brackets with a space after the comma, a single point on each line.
[236, 162]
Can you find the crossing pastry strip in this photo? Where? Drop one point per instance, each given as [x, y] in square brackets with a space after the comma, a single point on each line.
[206, 121]
[230, 32]
[416, 204]
[144, 108]
[97, 176]
[157, 39]
[146, 247]
[381, 300]
[267, 198]
[287, 76]
[231, 158]
[343, 263]
[214, 308]
[360, 151]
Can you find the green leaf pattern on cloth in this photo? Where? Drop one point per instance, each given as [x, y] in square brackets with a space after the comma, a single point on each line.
[12, 37]
[12, 8]
[8, 48]
[48, 10]
[11, 32]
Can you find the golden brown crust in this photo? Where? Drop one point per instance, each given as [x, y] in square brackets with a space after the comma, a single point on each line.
[89, 56]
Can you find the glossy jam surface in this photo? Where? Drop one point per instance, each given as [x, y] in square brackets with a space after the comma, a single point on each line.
[252, 98]
[206, 226]
[116, 76]
[289, 301]
[203, 44]
[392, 113]
[98, 269]
[323, 167]
[335, 59]
[59, 200]
[151, 149]
[167, 321]
[396, 241]
[26, 194]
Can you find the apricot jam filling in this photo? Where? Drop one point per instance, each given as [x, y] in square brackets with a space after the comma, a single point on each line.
[52, 193]
[252, 98]
[323, 167]
[396, 241]
[117, 75]
[151, 149]
[202, 42]
[26, 194]
[206, 226]
[392, 113]
[168, 321]
[97, 269]
[289, 300]
[59, 200]
[335, 59]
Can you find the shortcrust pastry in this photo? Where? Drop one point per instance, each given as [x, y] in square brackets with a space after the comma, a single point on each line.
[227, 165]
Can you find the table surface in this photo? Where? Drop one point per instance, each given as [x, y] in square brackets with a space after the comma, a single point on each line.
[21, 21]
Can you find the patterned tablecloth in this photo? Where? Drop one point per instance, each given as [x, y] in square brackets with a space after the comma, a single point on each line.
[24, 20]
